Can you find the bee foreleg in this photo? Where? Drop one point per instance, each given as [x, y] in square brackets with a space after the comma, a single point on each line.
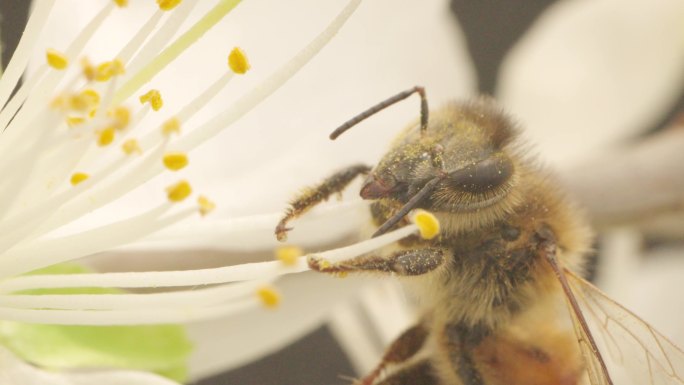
[405, 263]
[313, 196]
[403, 348]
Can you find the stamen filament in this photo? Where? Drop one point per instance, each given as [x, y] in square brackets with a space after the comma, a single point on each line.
[175, 49]
[128, 317]
[205, 97]
[101, 196]
[57, 184]
[244, 272]
[136, 41]
[15, 101]
[17, 64]
[245, 104]
[157, 42]
[270, 85]
[261, 224]
[129, 301]
[34, 105]
[37, 254]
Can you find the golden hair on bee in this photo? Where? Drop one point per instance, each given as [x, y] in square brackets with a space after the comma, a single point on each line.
[493, 283]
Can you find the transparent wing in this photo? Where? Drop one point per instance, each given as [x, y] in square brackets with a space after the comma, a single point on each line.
[591, 358]
[626, 341]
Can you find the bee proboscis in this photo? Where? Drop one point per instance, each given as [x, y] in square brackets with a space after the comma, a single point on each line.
[511, 249]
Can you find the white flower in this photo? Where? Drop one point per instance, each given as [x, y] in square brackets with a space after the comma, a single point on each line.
[265, 156]
[77, 155]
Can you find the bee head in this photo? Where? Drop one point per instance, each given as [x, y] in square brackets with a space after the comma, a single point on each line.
[456, 162]
[464, 150]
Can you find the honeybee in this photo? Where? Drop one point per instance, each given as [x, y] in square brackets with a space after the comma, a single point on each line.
[494, 282]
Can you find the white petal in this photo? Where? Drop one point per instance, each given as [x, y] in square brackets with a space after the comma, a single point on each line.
[648, 283]
[633, 183]
[260, 162]
[15, 371]
[307, 298]
[387, 46]
[592, 72]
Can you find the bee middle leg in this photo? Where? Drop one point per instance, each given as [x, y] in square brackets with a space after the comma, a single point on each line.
[421, 373]
[404, 262]
[402, 349]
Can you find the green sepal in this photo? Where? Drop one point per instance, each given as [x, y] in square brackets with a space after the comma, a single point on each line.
[163, 349]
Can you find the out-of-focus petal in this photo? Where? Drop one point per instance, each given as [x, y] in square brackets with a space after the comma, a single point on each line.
[15, 371]
[256, 165]
[591, 72]
[633, 183]
[387, 47]
[647, 283]
[307, 299]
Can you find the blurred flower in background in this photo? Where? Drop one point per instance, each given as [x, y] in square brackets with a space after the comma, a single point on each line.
[586, 81]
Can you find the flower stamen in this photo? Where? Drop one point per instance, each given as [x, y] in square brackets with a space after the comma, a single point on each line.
[237, 61]
[179, 191]
[56, 59]
[288, 255]
[153, 98]
[269, 297]
[205, 205]
[175, 161]
[78, 177]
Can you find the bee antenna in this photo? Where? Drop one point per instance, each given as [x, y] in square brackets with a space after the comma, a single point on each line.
[384, 104]
[410, 205]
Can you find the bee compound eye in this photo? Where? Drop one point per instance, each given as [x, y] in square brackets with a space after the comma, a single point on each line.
[483, 176]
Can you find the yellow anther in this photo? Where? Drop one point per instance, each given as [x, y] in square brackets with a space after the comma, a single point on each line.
[154, 98]
[269, 297]
[58, 103]
[121, 3]
[131, 146]
[106, 136]
[178, 191]
[171, 126]
[103, 72]
[73, 121]
[121, 116]
[167, 5]
[89, 71]
[175, 161]
[106, 70]
[78, 103]
[428, 225]
[117, 67]
[56, 59]
[91, 97]
[237, 61]
[288, 254]
[86, 101]
[205, 205]
[78, 177]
